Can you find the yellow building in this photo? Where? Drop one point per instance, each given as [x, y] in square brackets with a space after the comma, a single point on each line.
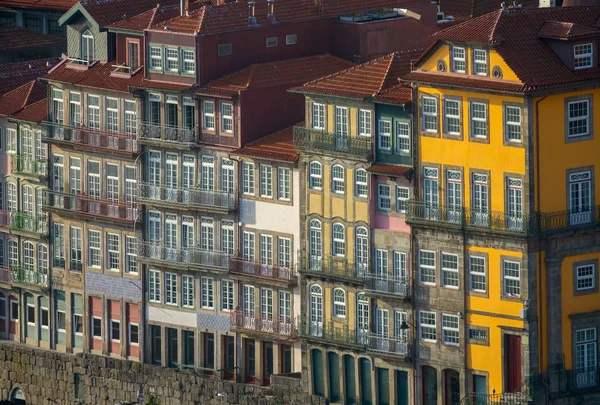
[505, 226]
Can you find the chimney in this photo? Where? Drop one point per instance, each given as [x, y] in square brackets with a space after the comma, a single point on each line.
[251, 14]
[183, 7]
[271, 12]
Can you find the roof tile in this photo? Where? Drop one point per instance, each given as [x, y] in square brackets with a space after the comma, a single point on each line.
[463, 10]
[14, 38]
[391, 170]
[13, 75]
[62, 5]
[278, 146]
[36, 112]
[22, 96]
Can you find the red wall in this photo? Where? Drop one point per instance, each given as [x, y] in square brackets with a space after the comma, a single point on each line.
[132, 316]
[122, 48]
[114, 312]
[96, 310]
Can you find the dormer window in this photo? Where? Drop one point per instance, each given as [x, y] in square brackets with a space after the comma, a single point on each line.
[582, 56]
[459, 63]
[480, 64]
[87, 46]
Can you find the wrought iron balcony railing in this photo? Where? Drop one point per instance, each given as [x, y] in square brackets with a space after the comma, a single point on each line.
[332, 333]
[183, 256]
[284, 327]
[193, 196]
[271, 272]
[523, 395]
[395, 346]
[307, 138]
[92, 138]
[5, 275]
[166, 133]
[28, 166]
[91, 207]
[21, 221]
[29, 276]
[574, 380]
[331, 266]
[385, 285]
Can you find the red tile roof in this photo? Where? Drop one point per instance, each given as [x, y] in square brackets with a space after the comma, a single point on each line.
[165, 10]
[36, 112]
[391, 170]
[399, 94]
[564, 30]
[456, 79]
[14, 38]
[278, 146]
[212, 19]
[463, 10]
[96, 76]
[13, 75]
[62, 5]
[27, 94]
[365, 80]
[283, 73]
[513, 33]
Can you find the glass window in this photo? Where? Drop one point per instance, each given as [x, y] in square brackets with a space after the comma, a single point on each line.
[154, 288]
[130, 118]
[477, 274]
[337, 179]
[131, 255]
[249, 246]
[458, 60]
[364, 122]
[227, 117]
[384, 197]
[450, 329]
[227, 176]
[427, 326]
[583, 56]
[209, 114]
[291, 39]
[283, 180]
[512, 278]
[87, 46]
[362, 189]
[452, 116]
[480, 67]
[207, 292]
[94, 254]
[316, 179]
[187, 291]
[339, 303]
[227, 295]
[427, 267]
[449, 270]
[341, 121]
[339, 240]
[429, 108]
[385, 134]
[266, 181]
[113, 251]
[401, 199]
[93, 118]
[271, 42]
[189, 61]
[115, 330]
[512, 123]
[318, 116]
[155, 58]
[403, 129]
[248, 178]
[170, 288]
[172, 57]
[478, 120]
[225, 49]
[579, 118]
[134, 337]
[586, 277]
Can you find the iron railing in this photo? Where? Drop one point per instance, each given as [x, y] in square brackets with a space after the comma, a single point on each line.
[383, 284]
[58, 263]
[28, 166]
[166, 133]
[569, 219]
[395, 346]
[193, 196]
[273, 272]
[93, 138]
[331, 332]
[213, 138]
[30, 276]
[5, 275]
[92, 207]
[29, 223]
[183, 256]
[307, 138]
[523, 395]
[333, 266]
[574, 380]
[285, 327]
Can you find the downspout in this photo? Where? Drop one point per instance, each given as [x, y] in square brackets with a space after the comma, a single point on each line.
[415, 181]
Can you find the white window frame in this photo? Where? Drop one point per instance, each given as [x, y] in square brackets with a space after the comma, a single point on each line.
[154, 286]
[339, 303]
[227, 295]
[170, 288]
[428, 113]
[248, 178]
[364, 122]
[479, 120]
[112, 322]
[581, 58]
[207, 293]
[361, 183]
[585, 118]
[505, 278]
[156, 58]
[450, 332]
[448, 271]
[284, 180]
[476, 273]
[187, 291]
[480, 63]
[459, 63]
[291, 39]
[383, 196]
[171, 59]
[129, 334]
[271, 42]
[425, 318]
[96, 318]
[585, 278]
[318, 116]
[316, 179]
[266, 181]
[94, 248]
[513, 124]
[112, 253]
[227, 119]
[402, 197]
[428, 267]
[188, 64]
[385, 134]
[337, 182]
[338, 247]
[209, 117]
[452, 103]
[403, 133]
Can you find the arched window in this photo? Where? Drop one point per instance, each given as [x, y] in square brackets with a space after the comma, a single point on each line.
[27, 200]
[315, 245]
[28, 256]
[13, 253]
[339, 240]
[11, 197]
[362, 316]
[316, 175]
[361, 186]
[362, 250]
[339, 303]
[26, 145]
[42, 258]
[316, 310]
[337, 179]
[87, 46]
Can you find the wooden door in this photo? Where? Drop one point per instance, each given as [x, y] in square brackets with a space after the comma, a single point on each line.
[512, 360]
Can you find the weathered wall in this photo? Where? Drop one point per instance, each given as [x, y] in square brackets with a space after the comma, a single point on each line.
[47, 377]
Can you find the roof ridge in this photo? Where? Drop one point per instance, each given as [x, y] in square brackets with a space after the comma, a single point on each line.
[493, 30]
[393, 57]
[251, 75]
[341, 72]
[156, 9]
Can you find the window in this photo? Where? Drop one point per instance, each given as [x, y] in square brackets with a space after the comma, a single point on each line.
[11, 197]
[479, 120]
[384, 197]
[266, 303]
[58, 107]
[97, 327]
[13, 253]
[480, 66]
[113, 251]
[248, 246]
[477, 276]
[172, 58]
[360, 177]
[227, 117]
[266, 249]
[337, 179]
[78, 324]
[512, 123]
[381, 263]
[75, 109]
[87, 46]
[3, 308]
[284, 252]
[11, 140]
[34, 24]
[227, 178]
[339, 240]
[283, 181]
[54, 28]
[385, 135]
[480, 195]
[315, 244]
[59, 245]
[130, 118]
[133, 55]
[93, 119]
[403, 129]
[207, 175]
[427, 326]
[429, 114]
[382, 322]
[449, 270]
[400, 267]
[115, 330]
[450, 329]
[208, 108]
[341, 121]
[131, 255]
[364, 122]
[271, 42]
[227, 295]
[586, 349]
[427, 266]
[154, 286]
[339, 303]
[155, 58]
[44, 317]
[511, 272]
[459, 64]
[170, 288]
[291, 39]
[131, 187]
[583, 56]
[189, 61]
[318, 116]
[93, 186]
[401, 198]
[478, 334]
[248, 174]
[266, 181]
[579, 118]
[452, 116]
[225, 49]
[362, 250]
[285, 307]
[30, 314]
[227, 244]
[514, 197]
[14, 311]
[586, 277]
[580, 199]
[399, 318]
[76, 255]
[207, 234]
[187, 291]
[207, 293]
[316, 179]
[94, 249]
[134, 334]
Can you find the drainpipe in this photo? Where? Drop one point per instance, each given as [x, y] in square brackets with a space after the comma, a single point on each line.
[415, 182]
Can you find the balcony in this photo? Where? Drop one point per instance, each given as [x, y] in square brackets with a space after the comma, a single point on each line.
[28, 167]
[216, 139]
[397, 346]
[335, 267]
[29, 277]
[563, 381]
[82, 137]
[306, 138]
[396, 287]
[284, 328]
[183, 257]
[88, 207]
[267, 272]
[207, 200]
[5, 275]
[29, 223]
[158, 135]
[330, 333]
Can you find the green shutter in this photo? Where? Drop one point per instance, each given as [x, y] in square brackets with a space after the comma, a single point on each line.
[366, 392]
[318, 374]
[383, 386]
[401, 387]
[350, 379]
[334, 377]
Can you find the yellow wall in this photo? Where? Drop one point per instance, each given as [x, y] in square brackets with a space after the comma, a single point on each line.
[353, 107]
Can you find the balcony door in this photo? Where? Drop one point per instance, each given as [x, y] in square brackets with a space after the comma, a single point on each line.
[580, 204]
[480, 193]
[454, 196]
[134, 55]
[512, 363]
[316, 245]
[171, 177]
[362, 317]
[316, 311]
[154, 175]
[431, 193]
[586, 362]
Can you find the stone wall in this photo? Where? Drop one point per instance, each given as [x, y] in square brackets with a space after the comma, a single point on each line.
[47, 377]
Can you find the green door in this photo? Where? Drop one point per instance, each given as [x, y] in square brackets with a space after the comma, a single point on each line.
[401, 387]
[334, 377]
[317, 373]
[366, 393]
[383, 386]
[350, 379]
[429, 386]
